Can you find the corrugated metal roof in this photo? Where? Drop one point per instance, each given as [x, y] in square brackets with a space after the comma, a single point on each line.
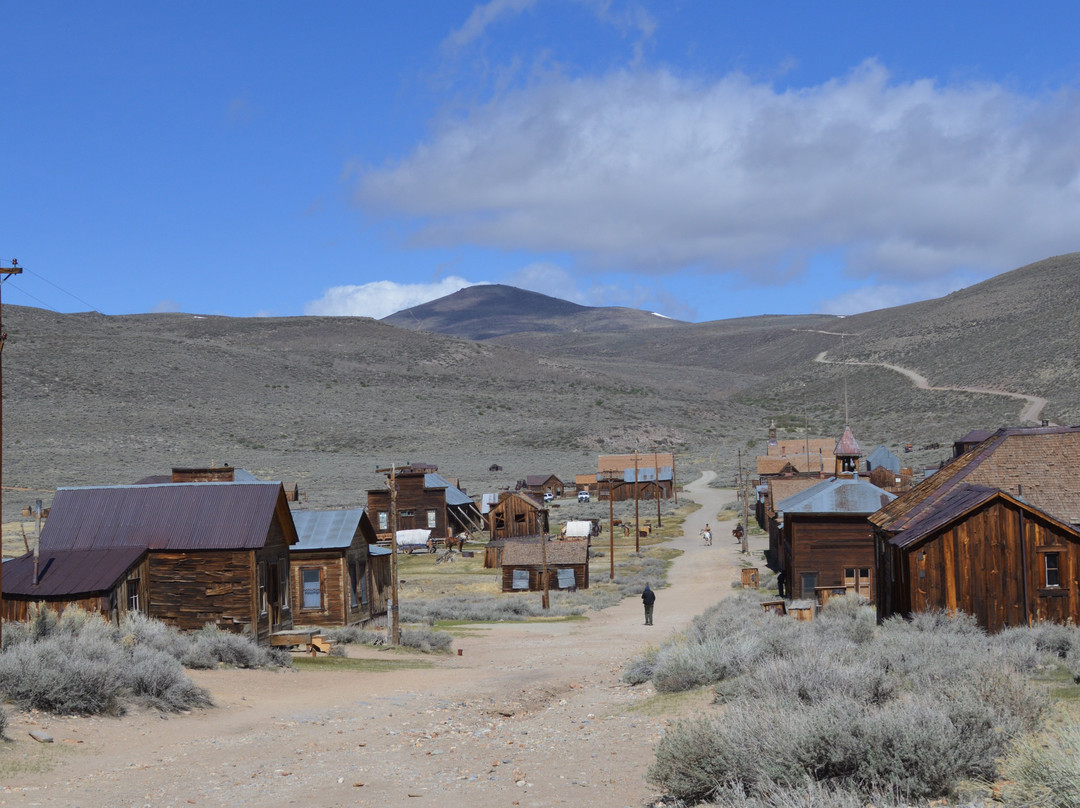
[488, 501]
[837, 496]
[175, 516]
[881, 456]
[647, 474]
[454, 495]
[326, 530]
[69, 573]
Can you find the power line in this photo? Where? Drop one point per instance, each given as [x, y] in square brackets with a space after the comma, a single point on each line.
[93, 308]
[22, 291]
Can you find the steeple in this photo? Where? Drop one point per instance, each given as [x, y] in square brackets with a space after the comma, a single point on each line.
[847, 453]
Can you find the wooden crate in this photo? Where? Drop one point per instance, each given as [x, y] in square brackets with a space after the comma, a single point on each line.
[775, 606]
[750, 578]
[804, 614]
[822, 594]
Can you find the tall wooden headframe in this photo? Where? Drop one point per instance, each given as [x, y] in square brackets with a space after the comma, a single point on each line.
[5, 272]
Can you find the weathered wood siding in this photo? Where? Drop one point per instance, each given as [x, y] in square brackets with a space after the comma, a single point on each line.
[825, 544]
[413, 503]
[991, 564]
[338, 606]
[514, 516]
[536, 578]
[112, 605]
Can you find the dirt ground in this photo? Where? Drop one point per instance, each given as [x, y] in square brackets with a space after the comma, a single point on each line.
[529, 714]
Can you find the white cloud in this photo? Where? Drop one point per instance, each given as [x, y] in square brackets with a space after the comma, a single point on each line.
[381, 298]
[886, 295]
[481, 17]
[653, 172]
[165, 306]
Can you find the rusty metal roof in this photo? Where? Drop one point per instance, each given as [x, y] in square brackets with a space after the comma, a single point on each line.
[847, 446]
[69, 573]
[176, 516]
[521, 553]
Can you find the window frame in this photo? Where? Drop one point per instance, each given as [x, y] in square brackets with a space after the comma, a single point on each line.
[304, 589]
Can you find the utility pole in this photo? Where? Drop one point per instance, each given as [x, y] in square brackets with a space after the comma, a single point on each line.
[656, 472]
[611, 520]
[544, 600]
[7, 272]
[744, 493]
[637, 522]
[395, 626]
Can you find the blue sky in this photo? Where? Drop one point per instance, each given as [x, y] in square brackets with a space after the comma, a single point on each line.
[704, 160]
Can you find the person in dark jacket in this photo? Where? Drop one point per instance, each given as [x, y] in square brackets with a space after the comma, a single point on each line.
[648, 597]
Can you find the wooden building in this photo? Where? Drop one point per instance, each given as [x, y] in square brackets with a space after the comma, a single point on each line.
[516, 514]
[540, 484]
[331, 575]
[425, 501]
[646, 475]
[215, 552]
[776, 490]
[589, 483]
[112, 581]
[523, 565]
[992, 533]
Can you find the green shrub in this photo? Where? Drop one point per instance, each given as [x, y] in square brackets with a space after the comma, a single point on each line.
[1044, 770]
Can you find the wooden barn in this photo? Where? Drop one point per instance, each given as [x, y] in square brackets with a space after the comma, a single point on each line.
[992, 533]
[648, 475]
[777, 490]
[540, 484]
[425, 501]
[215, 552]
[331, 573]
[517, 514]
[523, 567]
[112, 581]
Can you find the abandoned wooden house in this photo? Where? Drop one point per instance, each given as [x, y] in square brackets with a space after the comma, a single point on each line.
[648, 475]
[993, 533]
[523, 565]
[778, 489]
[589, 483]
[825, 538]
[516, 514]
[201, 474]
[540, 484]
[110, 581]
[215, 552]
[425, 501]
[332, 577]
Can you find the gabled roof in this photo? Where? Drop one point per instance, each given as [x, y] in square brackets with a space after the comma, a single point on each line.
[837, 495]
[956, 504]
[1036, 464]
[454, 495]
[538, 479]
[328, 530]
[882, 457]
[793, 445]
[69, 573]
[520, 553]
[799, 463]
[781, 488]
[175, 516]
[621, 462]
[528, 498]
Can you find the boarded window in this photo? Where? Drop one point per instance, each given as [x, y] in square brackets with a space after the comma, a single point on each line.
[521, 579]
[809, 584]
[566, 579]
[133, 594]
[262, 587]
[1052, 568]
[311, 583]
[431, 519]
[354, 578]
[384, 520]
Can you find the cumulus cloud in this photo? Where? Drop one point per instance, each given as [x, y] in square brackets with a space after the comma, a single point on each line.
[886, 295]
[654, 172]
[381, 298]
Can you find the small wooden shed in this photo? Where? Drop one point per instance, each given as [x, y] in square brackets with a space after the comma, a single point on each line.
[523, 565]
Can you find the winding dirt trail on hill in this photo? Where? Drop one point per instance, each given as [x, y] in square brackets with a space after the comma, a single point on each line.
[531, 714]
[1033, 405]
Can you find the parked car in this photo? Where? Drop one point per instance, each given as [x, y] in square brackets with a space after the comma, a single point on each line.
[582, 496]
[548, 496]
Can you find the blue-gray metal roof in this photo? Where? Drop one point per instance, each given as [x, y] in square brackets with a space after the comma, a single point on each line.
[376, 550]
[837, 495]
[881, 456]
[326, 530]
[454, 495]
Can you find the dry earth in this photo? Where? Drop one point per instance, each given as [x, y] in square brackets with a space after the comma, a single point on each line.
[531, 714]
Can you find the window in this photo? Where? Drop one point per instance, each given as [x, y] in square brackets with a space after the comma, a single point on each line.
[364, 596]
[566, 579]
[384, 520]
[1052, 570]
[521, 579]
[809, 584]
[263, 605]
[133, 594]
[353, 579]
[431, 519]
[283, 576]
[311, 588]
[857, 580]
[405, 514]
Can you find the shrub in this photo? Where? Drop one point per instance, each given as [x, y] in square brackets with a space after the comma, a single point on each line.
[1044, 770]
[138, 630]
[157, 679]
[640, 669]
[64, 674]
[354, 635]
[426, 640]
[211, 646]
[3, 724]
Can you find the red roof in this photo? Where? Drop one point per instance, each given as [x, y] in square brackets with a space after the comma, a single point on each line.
[847, 446]
[177, 516]
[69, 573]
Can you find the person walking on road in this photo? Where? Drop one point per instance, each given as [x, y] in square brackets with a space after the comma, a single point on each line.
[648, 597]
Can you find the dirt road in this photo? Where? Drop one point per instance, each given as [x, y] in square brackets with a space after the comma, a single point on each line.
[530, 714]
